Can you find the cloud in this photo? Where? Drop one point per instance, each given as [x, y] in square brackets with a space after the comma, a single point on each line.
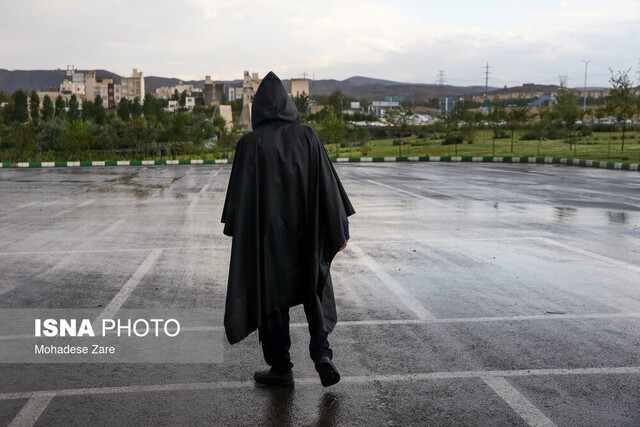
[405, 39]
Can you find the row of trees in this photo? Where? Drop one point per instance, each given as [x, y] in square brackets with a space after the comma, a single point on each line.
[565, 113]
[60, 129]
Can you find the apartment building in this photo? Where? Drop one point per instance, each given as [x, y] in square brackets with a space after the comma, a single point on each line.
[250, 85]
[132, 87]
[299, 86]
[106, 88]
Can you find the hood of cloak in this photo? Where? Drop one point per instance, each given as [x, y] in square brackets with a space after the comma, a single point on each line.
[272, 104]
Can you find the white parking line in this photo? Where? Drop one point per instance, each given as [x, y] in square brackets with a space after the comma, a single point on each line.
[30, 412]
[412, 194]
[128, 287]
[355, 379]
[479, 319]
[26, 205]
[407, 299]
[40, 399]
[590, 254]
[202, 191]
[110, 229]
[81, 205]
[382, 322]
[523, 407]
[117, 250]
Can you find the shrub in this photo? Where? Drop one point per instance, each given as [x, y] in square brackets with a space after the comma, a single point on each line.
[584, 131]
[499, 134]
[452, 139]
[529, 136]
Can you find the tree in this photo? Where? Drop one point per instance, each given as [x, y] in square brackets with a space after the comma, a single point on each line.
[365, 103]
[60, 106]
[20, 106]
[567, 108]
[620, 100]
[124, 109]
[543, 127]
[34, 106]
[401, 120]
[302, 102]
[336, 100]
[136, 109]
[52, 134]
[98, 110]
[23, 137]
[515, 118]
[219, 123]
[496, 116]
[77, 138]
[333, 128]
[74, 108]
[227, 140]
[47, 108]
[88, 110]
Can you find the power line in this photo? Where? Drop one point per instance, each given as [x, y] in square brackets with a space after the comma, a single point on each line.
[486, 83]
[441, 80]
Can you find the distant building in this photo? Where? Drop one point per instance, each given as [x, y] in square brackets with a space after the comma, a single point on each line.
[250, 85]
[132, 87]
[73, 84]
[316, 108]
[108, 91]
[233, 92]
[299, 86]
[224, 111]
[166, 92]
[209, 88]
[378, 107]
[245, 117]
[446, 106]
[174, 105]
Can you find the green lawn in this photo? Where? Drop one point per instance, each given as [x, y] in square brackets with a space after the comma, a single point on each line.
[593, 147]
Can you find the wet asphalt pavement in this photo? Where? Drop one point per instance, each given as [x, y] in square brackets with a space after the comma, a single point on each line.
[470, 294]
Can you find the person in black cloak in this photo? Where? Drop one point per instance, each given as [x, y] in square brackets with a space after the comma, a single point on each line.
[288, 214]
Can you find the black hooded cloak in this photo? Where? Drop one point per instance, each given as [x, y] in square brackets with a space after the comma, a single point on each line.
[287, 213]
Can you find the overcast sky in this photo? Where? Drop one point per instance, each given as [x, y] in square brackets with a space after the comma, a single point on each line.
[523, 41]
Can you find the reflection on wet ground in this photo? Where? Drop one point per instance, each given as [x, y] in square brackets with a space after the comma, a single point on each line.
[617, 217]
[564, 214]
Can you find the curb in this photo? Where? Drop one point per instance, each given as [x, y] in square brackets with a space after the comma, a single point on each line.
[486, 159]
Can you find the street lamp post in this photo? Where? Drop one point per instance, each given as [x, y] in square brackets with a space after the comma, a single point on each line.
[586, 64]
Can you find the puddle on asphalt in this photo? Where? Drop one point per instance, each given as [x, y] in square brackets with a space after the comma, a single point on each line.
[564, 214]
[618, 218]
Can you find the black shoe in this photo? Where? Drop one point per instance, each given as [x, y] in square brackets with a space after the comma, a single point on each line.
[328, 373]
[276, 378]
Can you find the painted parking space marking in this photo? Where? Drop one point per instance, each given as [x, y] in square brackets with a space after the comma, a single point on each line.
[44, 397]
[412, 194]
[523, 407]
[590, 254]
[32, 410]
[81, 205]
[128, 287]
[398, 290]
[202, 191]
[169, 248]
